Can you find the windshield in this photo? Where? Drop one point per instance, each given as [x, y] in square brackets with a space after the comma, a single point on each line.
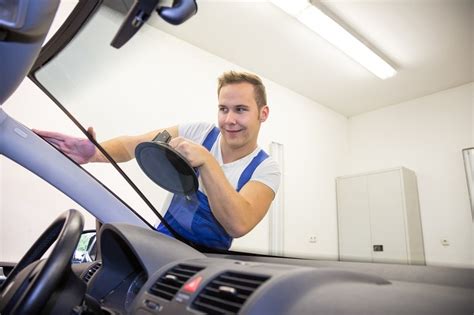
[373, 182]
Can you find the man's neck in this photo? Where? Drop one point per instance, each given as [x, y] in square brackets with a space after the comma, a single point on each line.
[230, 155]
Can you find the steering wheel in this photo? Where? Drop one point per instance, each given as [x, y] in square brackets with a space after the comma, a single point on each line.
[32, 282]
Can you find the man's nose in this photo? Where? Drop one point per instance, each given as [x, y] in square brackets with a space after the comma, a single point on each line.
[230, 118]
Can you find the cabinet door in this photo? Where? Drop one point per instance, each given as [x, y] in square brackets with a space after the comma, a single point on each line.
[387, 222]
[353, 219]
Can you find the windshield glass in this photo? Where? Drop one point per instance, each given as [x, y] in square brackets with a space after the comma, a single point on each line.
[381, 182]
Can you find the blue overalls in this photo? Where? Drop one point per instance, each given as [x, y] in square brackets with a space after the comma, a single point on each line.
[191, 216]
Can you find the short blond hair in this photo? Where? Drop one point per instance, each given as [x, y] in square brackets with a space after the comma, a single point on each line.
[234, 77]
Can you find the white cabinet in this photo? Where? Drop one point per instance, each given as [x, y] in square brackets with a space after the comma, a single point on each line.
[379, 217]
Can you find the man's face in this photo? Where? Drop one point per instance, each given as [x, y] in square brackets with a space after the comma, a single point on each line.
[239, 117]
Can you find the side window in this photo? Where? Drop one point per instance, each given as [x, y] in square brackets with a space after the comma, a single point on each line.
[86, 250]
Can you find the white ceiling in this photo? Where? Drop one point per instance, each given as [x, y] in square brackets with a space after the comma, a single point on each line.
[430, 42]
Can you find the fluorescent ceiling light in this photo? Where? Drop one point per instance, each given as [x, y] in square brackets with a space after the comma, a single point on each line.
[292, 7]
[328, 29]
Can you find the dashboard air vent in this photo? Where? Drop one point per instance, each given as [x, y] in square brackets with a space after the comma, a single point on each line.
[171, 281]
[227, 293]
[92, 270]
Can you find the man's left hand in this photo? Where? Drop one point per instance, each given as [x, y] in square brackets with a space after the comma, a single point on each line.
[194, 153]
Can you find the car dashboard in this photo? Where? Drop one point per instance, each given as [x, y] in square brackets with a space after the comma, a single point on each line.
[144, 272]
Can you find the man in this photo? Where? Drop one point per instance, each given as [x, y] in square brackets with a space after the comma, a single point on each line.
[238, 181]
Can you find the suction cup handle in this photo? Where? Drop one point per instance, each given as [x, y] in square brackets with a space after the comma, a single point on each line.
[163, 136]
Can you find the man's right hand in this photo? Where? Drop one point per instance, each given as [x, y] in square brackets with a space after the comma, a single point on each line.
[79, 150]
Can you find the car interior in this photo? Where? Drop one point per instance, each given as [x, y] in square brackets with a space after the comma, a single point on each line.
[127, 267]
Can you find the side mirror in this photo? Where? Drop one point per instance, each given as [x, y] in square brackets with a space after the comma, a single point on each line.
[2, 277]
[86, 250]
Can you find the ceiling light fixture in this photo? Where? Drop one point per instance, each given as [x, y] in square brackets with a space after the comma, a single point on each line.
[317, 21]
[292, 7]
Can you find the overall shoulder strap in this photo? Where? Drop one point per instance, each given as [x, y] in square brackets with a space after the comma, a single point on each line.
[211, 138]
[248, 171]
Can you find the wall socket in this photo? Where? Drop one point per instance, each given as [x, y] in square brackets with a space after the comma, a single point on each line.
[445, 242]
[313, 239]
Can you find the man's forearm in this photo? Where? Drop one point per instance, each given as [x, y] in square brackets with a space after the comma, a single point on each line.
[231, 210]
[121, 149]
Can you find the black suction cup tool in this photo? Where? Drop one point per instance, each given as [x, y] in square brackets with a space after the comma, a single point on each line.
[165, 166]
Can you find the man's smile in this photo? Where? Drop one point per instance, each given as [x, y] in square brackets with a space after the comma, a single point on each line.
[233, 131]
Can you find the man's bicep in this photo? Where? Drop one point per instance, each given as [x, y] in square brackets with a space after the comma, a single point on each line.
[259, 196]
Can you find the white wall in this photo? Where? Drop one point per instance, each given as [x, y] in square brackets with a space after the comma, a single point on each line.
[427, 136]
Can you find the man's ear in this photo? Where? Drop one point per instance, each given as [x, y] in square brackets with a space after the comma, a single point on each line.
[264, 111]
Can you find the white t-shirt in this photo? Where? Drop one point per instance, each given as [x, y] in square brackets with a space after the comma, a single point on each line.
[267, 172]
